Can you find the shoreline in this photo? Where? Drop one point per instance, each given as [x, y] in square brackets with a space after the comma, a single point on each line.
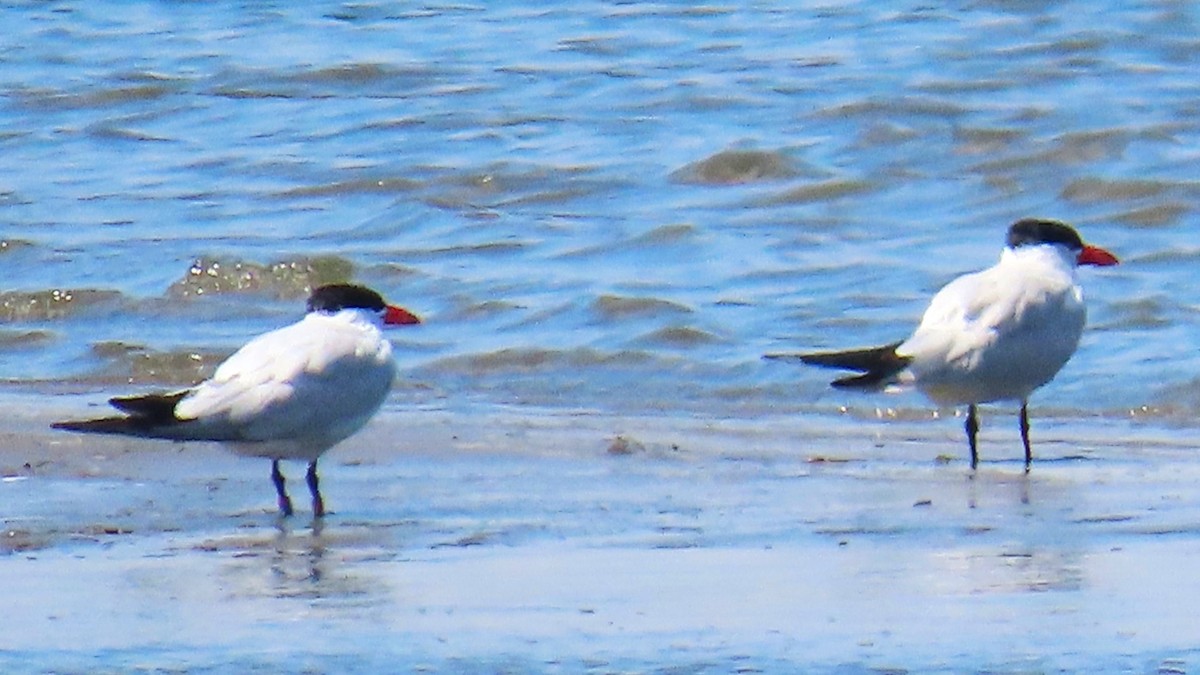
[487, 540]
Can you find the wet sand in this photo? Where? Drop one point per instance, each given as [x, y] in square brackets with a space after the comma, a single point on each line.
[509, 540]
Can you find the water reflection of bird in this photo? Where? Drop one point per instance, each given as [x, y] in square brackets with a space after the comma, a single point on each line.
[292, 393]
[993, 335]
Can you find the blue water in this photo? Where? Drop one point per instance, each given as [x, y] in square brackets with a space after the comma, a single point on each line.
[530, 180]
[603, 206]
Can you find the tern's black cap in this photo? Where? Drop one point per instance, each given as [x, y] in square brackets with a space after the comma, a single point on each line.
[1034, 231]
[335, 297]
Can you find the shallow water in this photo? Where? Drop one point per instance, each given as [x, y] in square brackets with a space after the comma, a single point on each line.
[522, 543]
[600, 209]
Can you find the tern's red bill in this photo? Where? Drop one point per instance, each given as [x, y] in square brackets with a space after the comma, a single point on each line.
[1094, 255]
[398, 316]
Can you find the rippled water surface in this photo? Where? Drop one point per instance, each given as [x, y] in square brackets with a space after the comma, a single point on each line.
[589, 199]
[603, 206]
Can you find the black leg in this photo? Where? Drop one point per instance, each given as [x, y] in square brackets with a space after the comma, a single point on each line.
[285, 502]
[972, 427]
[315, 488]
[1025, 434]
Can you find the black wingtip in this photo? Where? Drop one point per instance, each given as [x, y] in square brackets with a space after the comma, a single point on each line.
[154, 408]
[875, 365]
[144, 413]
[103, 425]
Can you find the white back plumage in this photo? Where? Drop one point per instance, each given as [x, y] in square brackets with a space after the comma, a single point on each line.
[296, 391]
[1000, 333]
